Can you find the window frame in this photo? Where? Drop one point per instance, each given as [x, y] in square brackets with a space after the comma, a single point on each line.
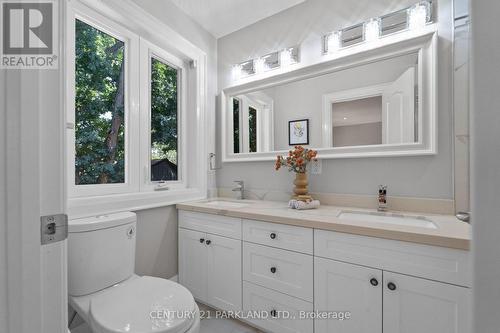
[131, 17]
[148, 51]
[264, 121]
[131, 99]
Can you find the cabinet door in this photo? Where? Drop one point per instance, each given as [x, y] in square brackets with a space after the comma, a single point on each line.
[415, 305]
[193, 262]
[342, 287]
[224, 273]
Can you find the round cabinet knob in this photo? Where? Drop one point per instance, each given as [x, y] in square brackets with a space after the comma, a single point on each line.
[202, 240]
[273, 270]
[273, 313]
[391, 286]
[272, 235]
[374, 282]
[208, 242]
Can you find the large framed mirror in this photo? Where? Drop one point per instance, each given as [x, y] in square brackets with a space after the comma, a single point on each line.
[379, 102]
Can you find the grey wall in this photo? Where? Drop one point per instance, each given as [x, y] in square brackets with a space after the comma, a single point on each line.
[156, 253]
[485, 119]
[429, 176]
[356, 135]
[156, 248]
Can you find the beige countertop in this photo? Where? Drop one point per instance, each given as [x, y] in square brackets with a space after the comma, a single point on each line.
[450, 231]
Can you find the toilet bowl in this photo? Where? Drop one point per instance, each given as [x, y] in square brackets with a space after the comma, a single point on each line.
[105, 292]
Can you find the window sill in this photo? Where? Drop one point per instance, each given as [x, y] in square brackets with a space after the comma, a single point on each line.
[107, 204]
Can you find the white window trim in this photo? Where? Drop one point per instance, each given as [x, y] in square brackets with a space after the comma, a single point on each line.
[131, 111]
[131, 16]
[148, 51]
[264, 124]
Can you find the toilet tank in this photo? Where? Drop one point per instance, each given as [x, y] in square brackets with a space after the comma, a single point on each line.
[101, 252]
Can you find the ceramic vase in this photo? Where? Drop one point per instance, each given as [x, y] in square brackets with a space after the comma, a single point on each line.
[300, 190]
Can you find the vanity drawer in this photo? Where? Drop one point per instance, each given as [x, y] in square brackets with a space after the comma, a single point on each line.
[279, 235]
[213, 224]
[430, 262]
[263, 300]
[284, 271]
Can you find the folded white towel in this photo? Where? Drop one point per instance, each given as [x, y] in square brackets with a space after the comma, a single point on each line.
[297, 204]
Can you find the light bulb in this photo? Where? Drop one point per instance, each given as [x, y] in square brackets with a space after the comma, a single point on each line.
[419, 15]
[372, 30]
[333, 41]
[286, 57]
[260, 65]
[236, 72]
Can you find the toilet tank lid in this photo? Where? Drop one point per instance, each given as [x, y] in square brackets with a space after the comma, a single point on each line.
[100, 222]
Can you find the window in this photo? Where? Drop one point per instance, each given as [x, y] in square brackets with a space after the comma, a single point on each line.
[99, 106]
[252, 129]
[252, 119]
[236, 125]
[164, 116]
[127, 106]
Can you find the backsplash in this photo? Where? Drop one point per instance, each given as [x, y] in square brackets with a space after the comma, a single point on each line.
[395, 203]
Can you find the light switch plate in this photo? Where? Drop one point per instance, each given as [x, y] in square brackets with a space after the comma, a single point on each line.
[316, 167]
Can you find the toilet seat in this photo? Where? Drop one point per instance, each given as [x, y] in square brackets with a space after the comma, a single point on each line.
[146, 304]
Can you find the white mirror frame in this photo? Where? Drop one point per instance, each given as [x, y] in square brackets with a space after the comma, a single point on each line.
[426, 47]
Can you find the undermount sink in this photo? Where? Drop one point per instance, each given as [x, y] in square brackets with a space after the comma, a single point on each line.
[388, 218]
[226, 204]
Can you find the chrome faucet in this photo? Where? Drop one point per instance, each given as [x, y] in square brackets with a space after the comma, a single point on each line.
[240, 187]
[382, 198]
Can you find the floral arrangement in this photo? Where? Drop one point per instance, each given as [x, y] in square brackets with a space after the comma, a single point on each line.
[297, 159]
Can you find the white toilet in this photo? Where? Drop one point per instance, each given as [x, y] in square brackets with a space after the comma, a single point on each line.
[106, 293]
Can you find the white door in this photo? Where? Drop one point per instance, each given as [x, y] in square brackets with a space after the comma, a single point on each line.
[193, 262]
[414, 305]
[344, 287]
[33, 277]
[224, 272]
[398, 110]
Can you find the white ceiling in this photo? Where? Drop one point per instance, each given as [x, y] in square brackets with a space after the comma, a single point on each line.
[221, 17]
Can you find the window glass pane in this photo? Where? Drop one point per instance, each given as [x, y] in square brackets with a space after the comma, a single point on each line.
[252, 129]
[99, 107]
[236, 125]
[164, 116]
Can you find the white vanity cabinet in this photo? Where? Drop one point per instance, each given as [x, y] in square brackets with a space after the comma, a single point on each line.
[209, 263]
[415, 305]
[342, 287]
[361, 284]
[384, 301]
[193, 262]
[278, 269]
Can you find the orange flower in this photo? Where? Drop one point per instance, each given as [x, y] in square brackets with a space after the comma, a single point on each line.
[277, 165]
[297, 159]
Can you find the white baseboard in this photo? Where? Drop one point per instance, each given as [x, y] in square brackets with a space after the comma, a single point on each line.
[174, 278]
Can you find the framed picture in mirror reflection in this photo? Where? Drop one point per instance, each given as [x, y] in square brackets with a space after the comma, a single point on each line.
[298, 132]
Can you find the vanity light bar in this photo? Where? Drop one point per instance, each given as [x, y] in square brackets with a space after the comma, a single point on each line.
[268, 62]
[412, 18]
